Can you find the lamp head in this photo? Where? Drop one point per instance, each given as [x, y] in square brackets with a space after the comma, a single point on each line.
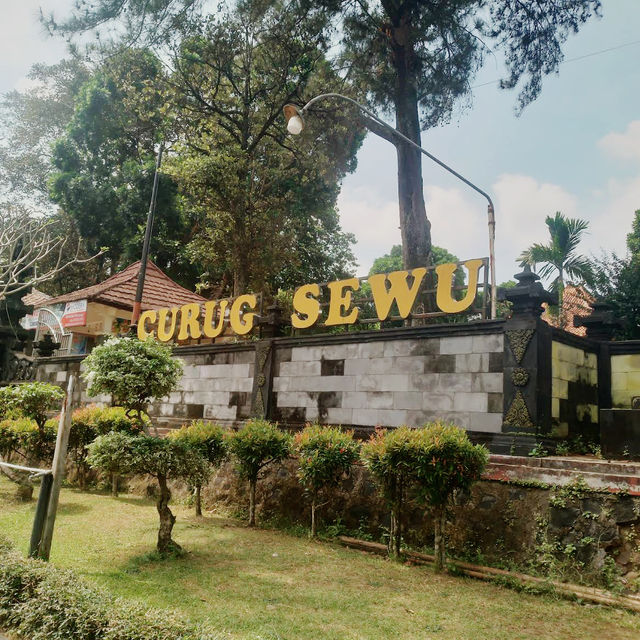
[295, 121]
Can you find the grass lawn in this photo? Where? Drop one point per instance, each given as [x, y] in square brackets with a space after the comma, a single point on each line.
[263, 584]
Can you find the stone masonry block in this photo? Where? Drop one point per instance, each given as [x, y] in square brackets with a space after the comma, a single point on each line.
[368, 365]
[340, 351]
[493, 343]
[319, 383]
[367, 400]
[470, 401]
[220, 412]
[623, 364]
[469, 362]
[395, 382]
[408, 364]
[379, 417]
[559, 389]
[339, 416]
[371, 350]
[461, 344]
[300, 368]
[61, 376]
[191, 371]
[306, 354]
[489, 382]
[490, 422]
[408, 400]
[297, 399]
[495, 402]
[437, 402]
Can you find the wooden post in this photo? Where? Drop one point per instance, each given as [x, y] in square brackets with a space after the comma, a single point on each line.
[41, 514]
[59, 461]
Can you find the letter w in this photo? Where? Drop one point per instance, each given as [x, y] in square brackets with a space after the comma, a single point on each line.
[398, 290]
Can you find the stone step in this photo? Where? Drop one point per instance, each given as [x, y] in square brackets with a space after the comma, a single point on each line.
[622, 467]
[510, 468]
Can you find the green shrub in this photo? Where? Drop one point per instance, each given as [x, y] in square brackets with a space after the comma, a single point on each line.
[390, 457]
[87, 423]
[325, 456]
[32, 400]
[256, 445]
[41, 602]
[208, 439]
[447, 462]
[162, 458]
[132, 371]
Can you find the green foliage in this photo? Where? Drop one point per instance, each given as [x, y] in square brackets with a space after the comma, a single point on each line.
[559, 255]
[325, 455]
[41, 602]
[22, 436]
[256, 445]
[32, 400]
[447, 462]
[206, 437]
[112, 452]
[132, 371]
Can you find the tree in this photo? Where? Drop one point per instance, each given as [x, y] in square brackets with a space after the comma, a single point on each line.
[325, 456]
[163, 458]
[33, 400]
[31, 121]
[132, 371]
[31, 251]
[390, 457]
[415, 59]
[617, 282]
[446, 463]
[559, 255]
[258, 444]
[105, 162]
[208, 439]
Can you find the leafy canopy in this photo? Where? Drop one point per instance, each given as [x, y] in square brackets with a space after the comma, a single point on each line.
[32, 400]
[206, 437]
[132, 371]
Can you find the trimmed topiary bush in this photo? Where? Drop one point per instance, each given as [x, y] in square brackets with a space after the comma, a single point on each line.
[162, 458]
[208, 438]
[132, 371]
[447, 462]
[32, 400]
[253, 447]
[390, 457]
[325, 457]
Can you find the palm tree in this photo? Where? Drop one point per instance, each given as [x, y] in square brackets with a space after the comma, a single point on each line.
[559, 255]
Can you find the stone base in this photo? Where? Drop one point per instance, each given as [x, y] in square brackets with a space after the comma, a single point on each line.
[620, 433]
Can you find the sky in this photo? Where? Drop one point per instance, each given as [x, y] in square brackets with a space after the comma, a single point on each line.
[576, 149]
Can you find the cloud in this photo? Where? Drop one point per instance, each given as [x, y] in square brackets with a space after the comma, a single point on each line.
[625, 145]
[373, 220]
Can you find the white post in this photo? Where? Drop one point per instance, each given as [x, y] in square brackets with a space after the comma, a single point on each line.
[59, 461]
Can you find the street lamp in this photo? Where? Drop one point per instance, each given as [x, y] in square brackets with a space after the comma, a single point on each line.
[146, 244]
[295, 125]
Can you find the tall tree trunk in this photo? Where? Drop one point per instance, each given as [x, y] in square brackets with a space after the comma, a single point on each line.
[252, 503]
[114, 484]
[198, 496]
[167, 519]
[439, 545]
[415, 228]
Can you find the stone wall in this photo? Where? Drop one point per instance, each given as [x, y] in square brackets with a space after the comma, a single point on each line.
[574, 390]
[625, 380]
[393, 382]
[362, 379]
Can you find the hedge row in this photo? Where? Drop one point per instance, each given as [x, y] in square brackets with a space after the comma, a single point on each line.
[40, 602]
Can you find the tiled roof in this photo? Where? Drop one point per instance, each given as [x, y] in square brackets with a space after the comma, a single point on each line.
[576, 301]
[35, 298]
[120, 289]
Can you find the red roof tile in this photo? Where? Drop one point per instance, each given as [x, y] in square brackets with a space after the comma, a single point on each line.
[120, 289]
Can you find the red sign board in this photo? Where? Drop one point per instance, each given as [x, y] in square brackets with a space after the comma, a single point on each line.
[75, 314]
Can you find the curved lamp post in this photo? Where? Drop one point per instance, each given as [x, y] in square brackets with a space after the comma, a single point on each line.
[295, 125]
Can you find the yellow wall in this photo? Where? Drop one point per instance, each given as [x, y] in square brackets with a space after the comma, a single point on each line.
[625, 380]
[570, 364]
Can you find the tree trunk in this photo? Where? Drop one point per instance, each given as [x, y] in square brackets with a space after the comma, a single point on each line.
[415, 228]
[439, 545]
[198, 496]
[313, 517]
[82, 476]
[252, 503]
[167, 519]
[114, 485]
